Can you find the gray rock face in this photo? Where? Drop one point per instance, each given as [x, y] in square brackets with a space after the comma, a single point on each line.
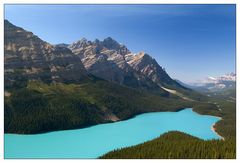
[106, 59]
[26, 55]
[146, 65]
[111, 44]
[114, 62]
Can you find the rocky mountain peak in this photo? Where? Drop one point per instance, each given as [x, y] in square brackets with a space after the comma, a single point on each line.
[97, 42]
[82, 43]
[143, 56]
[19, 40]
[98, 46]
[113, 61]
[110, 43]
[144, 64]
[140, 59]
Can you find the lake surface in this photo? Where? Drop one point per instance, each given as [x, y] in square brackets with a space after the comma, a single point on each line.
[94, 141]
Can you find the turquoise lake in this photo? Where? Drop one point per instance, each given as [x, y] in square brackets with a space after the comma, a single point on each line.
[94, 141]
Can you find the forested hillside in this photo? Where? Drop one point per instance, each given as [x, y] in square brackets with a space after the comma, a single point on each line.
[41, 107]
[177, 145]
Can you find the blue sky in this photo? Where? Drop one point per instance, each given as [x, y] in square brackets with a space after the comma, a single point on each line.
[190, 41]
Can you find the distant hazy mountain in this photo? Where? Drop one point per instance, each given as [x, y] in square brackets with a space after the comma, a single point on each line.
[222, 87]
[224, 82]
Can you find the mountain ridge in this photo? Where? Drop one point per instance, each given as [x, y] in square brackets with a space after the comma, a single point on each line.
[26, 56]
[47, 88]
[113, 61]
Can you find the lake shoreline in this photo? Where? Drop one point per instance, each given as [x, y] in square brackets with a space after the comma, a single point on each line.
[120, 120]
[213, 128]
[95, 141]
[107, 122]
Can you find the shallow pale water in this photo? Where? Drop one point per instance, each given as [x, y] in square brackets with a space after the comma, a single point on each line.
[94, 141]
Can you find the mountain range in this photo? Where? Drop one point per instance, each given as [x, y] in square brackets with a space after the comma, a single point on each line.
[55, 87]
[221, 87]
[112, 61]
[214, 84]
[106, 59]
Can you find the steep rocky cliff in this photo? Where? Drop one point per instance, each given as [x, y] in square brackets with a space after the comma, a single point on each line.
[146, 65]
[106, 59]
[28, 57]
[113, 61]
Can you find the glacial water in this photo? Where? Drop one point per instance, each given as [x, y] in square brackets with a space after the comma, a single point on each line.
[94, 141]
